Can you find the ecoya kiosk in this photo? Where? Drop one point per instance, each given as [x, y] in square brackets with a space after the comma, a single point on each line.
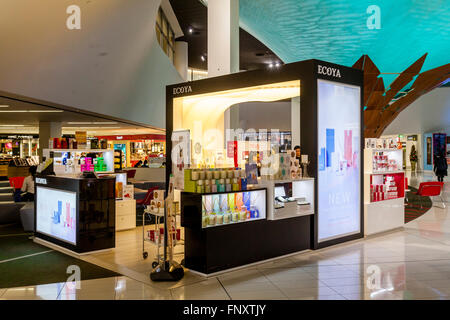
[228, 138]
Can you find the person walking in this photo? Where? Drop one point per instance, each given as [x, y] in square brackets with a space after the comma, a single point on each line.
[440, 166]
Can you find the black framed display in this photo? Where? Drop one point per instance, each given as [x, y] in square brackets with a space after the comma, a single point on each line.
[331, 134]
[75, 213]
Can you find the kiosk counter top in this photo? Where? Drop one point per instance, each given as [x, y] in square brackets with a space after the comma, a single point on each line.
[75, 213]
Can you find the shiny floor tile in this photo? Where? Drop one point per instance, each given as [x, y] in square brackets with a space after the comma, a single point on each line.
[259, 295]
[38, 292]
[209, 289]
[413, 263]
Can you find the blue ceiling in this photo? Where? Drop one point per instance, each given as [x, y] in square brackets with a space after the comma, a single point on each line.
[337, 31]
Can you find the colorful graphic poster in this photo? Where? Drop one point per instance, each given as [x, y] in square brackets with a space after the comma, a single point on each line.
[56, 213]
[339, 150]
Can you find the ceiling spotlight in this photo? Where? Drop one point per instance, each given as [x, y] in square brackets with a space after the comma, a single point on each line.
[277, 64]
[191, 30]
[271, 65]
[203, 58]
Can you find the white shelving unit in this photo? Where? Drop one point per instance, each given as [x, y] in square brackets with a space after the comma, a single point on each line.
[388, 214]
[107, 154]
[125, 214]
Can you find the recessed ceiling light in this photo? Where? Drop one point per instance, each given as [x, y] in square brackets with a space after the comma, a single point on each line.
[277, 64]
[33, 111]
[203, 58]
[190, 30]
[271, 65]
[90, 122]
[36, 111]
[91, 128]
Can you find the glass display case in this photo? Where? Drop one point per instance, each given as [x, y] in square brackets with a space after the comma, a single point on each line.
[289, 199]
[233, 207]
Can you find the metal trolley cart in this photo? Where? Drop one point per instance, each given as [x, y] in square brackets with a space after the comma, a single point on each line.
[158, 239]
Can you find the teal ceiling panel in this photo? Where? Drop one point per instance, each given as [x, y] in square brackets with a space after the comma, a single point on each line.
[394, 33]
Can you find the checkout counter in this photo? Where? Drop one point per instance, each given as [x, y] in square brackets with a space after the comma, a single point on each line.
[75, 213]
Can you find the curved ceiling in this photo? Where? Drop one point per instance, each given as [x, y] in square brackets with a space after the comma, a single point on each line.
[337, 31]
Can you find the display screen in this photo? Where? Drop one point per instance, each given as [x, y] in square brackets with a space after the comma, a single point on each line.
[56, 213]
[339, 154]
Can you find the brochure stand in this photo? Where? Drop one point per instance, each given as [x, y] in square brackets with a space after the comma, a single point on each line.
[168, 270]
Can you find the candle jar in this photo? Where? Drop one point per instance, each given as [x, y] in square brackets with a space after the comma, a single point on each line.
[200, 186]
[223, 174]
[237, 173]
[202, 174]
[205, 221]
[219, 219]
[194, 175]
[216, 174]
[207, 186]
[230, 174]
[226, 218]
[209, 175]
[212, 219]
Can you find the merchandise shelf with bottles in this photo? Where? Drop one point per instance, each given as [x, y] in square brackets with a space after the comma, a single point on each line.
[72, 161]
[384, 190]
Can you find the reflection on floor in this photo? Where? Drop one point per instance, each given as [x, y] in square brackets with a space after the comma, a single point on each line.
[413, 263]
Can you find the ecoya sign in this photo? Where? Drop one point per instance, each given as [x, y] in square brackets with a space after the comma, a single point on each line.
[181, 90]
[329, 71]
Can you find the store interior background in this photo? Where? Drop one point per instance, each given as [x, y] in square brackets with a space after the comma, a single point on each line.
[128, 69]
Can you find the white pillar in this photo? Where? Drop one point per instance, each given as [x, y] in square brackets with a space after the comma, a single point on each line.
[48, 130]
[223, 37]
[295, 121]
[181, 59]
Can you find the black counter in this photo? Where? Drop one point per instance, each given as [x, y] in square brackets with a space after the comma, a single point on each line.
[213, 249]
[76, 213]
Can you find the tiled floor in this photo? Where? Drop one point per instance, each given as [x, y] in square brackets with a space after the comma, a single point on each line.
[413, 263]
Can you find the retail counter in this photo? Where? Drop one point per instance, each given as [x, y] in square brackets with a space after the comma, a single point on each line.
[218, 237]
[75, 213]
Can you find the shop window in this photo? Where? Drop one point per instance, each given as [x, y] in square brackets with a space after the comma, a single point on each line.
[165, 35]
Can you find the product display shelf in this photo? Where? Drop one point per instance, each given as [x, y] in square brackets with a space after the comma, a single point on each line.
[58, 156]
[384, 193]
[301, 189]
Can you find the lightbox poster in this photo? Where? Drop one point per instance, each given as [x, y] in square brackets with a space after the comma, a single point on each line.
[56, 213]
[339, 152]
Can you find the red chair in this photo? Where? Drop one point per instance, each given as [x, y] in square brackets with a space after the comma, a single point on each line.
[430, 189]
[148, 197]
[406, 191]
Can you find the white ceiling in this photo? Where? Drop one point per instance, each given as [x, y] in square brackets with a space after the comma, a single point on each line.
[18, 116]
[429, 113]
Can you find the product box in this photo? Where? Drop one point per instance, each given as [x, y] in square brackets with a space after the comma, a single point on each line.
[160, 204]
[128, 192]
[189, 186]
[159, 195]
